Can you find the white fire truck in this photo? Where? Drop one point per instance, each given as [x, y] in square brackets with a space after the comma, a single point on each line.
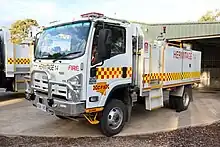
[99, 67]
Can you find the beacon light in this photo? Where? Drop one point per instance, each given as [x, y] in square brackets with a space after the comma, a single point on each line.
[92, 14]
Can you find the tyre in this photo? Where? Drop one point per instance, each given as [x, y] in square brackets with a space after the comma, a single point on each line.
[172, 102]
[113, 118]
[183, 102]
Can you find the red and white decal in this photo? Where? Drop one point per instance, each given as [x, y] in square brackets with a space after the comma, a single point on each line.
[182, 55]
[73, 67]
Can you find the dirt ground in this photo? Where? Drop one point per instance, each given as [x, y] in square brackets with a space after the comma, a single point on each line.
[23, 125]
[19, 117]
[202, 136]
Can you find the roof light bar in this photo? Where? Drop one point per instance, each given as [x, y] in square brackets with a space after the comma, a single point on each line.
[92, 14]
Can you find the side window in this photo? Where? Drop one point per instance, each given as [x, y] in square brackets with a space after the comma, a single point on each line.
[118, 42]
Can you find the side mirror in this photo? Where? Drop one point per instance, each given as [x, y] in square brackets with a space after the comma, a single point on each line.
[104, 44]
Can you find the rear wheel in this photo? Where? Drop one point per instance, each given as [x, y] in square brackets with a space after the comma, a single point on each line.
[186, 100]
[172, 102]
[183, 102]
[113, 118]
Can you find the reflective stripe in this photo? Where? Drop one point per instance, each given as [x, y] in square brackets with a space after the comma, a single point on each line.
[170, 76]
[112, 72]
[19, 61]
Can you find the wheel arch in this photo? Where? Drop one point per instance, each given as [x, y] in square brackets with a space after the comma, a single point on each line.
[121, 92]
[180, 90]
[118, 92]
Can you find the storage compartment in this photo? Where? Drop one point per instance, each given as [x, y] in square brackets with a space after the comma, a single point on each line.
[169, 67]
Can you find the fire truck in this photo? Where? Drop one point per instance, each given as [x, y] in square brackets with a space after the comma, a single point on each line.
[98, 68]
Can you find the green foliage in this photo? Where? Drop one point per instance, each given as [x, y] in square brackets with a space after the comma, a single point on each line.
[19, 29]
[210, 16]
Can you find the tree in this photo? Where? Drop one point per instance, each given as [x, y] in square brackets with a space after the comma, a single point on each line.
[19, 29]
[210, 16]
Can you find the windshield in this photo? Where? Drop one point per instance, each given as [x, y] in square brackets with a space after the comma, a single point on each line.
[68, 39]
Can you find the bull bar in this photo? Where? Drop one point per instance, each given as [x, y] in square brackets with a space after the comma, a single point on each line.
[60, 107]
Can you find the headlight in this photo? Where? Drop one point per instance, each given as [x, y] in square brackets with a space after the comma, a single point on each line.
[76, 82]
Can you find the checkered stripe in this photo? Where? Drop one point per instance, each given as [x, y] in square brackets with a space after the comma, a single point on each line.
[10, 60]
[112, 72]
[170, 76]
[186, 75]
[19, 61]
[174, 76]
[129, 72]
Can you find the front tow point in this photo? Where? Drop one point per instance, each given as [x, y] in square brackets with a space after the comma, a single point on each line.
[29, 96]
[32, 97]
[50, 102]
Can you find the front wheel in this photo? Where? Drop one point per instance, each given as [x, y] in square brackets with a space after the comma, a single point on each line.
[113, 118]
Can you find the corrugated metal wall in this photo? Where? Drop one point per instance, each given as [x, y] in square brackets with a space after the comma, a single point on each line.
[182, 30]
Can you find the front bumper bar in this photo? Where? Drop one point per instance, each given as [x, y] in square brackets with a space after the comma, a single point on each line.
[57, 106]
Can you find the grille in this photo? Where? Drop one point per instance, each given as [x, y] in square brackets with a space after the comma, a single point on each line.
[58, 90]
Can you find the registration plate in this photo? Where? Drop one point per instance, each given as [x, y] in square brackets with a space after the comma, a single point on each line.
[42, 107]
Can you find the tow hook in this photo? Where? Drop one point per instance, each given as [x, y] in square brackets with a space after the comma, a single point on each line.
[29, 97]
[50, 102]
[32, 97]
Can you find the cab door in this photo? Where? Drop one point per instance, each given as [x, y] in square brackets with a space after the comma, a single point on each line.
[116, 70]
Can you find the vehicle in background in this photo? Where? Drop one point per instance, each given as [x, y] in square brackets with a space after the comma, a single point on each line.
[15, 61]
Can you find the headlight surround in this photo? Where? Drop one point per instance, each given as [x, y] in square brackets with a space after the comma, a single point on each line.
[76, 82]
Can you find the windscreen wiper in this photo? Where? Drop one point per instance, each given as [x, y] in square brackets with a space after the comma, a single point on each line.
[65, 56]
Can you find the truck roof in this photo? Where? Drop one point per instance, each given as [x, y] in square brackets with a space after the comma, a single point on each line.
[93, 16]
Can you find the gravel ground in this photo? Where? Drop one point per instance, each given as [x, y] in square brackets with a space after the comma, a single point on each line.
[202, 136]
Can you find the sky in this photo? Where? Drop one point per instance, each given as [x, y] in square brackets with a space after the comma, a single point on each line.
[154, 11]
